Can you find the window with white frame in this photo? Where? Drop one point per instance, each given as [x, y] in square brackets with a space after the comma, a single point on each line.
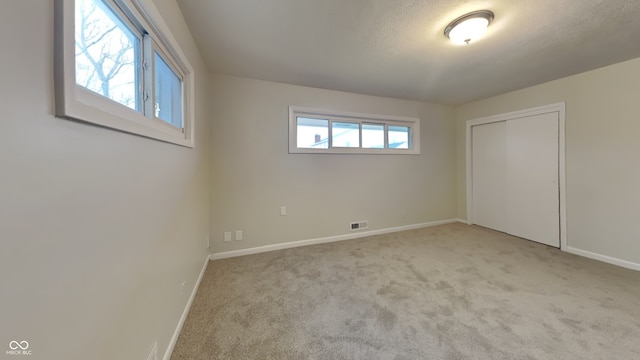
[326, 132]
[117, 66]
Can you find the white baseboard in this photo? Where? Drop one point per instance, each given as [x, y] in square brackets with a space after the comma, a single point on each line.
[176, 334]
[463, 221]
[592, 255]
[603, 258]
[288, 245]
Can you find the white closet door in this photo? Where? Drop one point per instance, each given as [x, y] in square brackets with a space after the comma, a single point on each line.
[532, 191]
[489, 175]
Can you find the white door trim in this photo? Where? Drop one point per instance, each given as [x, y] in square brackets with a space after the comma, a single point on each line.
[560, 109]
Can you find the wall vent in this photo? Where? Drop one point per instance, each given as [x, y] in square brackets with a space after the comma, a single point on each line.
[359, 225]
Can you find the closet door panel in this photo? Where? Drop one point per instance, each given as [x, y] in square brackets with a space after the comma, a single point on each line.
[532, 190]
[489, 175]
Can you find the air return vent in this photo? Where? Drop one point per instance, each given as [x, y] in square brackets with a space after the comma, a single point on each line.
[359, 225]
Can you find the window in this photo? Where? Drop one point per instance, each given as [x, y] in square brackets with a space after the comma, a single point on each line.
[117, 66]
[321, 131]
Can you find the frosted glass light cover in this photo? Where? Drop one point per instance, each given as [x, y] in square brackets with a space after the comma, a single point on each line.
[468, 30]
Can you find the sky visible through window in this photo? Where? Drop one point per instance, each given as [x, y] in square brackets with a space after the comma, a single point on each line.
[168, 93]
[107, 52]
[313, 133]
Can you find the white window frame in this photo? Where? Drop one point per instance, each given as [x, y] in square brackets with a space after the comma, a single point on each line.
[78, 103]
[412, 123]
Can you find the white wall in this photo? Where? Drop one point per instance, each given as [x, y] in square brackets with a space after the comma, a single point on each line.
[602, 148]
[253, 174]
[98, 228]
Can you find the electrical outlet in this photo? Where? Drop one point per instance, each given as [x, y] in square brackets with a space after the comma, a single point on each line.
[227, 236]
[239, 235]
[283, 211]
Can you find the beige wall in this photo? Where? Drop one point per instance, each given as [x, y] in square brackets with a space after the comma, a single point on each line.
[253, 174]
[602, 148]
[98, 228]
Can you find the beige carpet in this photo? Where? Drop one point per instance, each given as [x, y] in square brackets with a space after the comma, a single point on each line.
[447, 292]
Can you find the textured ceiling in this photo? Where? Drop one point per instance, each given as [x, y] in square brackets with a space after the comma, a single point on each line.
[396, 48]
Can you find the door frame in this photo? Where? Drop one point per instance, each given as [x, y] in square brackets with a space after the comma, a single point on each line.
[552, 108]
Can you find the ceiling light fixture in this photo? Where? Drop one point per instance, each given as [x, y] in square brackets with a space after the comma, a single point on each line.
[468, 27]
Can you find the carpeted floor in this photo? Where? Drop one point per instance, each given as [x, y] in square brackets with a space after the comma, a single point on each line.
[446, 292]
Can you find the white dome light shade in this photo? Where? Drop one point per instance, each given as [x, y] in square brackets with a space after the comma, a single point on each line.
[469, 27]
[468, 30]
